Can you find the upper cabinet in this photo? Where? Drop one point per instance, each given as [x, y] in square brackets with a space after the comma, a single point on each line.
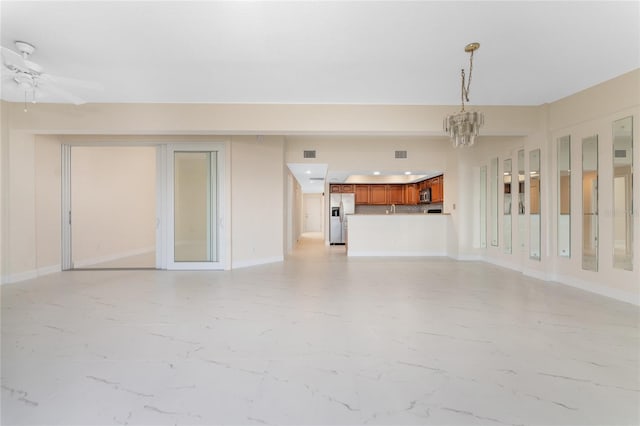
[362, 194]
[437, 189]
[411, 193]
[395, 194]
[342, 188]
[379, 194]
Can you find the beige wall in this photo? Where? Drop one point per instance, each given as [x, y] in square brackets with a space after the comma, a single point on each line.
[257, 199]
[48, 169]
[113, 201]
[4, 188]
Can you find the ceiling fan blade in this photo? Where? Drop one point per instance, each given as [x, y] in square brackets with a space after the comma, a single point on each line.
[12, 59]
[73, 82]
[51, 89]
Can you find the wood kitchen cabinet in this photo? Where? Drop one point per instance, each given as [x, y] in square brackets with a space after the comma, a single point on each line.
[362, 194]
[437, 191]
[395, 194]
[378, 194]
[411, 194]
[343, 189]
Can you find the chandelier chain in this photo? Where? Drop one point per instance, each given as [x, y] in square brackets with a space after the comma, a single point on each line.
[465, 90]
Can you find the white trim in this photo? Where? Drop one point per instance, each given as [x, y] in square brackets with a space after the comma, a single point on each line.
[591, 287]
[256, 262]
[535, 273]
[502, 263]
[364, 253]
[161, 207]
[29, 275]
[66, 207]
[47, 270]
[468, 257]
[111, 257]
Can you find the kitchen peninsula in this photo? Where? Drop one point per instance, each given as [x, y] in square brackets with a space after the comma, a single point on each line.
[396, 219]
[398, 234]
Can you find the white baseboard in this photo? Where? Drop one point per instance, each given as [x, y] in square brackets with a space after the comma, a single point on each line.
[110, 258]
[598, 289]
[467, 257]
[27, 275]
[255, 262]
[540, 275]
[395, 254]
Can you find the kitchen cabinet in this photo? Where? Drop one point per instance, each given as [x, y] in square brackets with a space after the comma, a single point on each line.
[362, 194]
[411, 194]
[395, 194]
[378, 194]
[342, 189]
[437, 192]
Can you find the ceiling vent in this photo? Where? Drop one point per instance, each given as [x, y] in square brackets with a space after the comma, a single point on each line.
[401, 154]
[310, 154]
[316, 178]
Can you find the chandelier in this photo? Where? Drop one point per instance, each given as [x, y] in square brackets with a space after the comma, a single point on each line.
[463, 127]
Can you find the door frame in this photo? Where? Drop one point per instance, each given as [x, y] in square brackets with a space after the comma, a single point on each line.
[167, 225]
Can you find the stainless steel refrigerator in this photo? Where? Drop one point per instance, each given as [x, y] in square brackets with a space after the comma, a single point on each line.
[341, 205]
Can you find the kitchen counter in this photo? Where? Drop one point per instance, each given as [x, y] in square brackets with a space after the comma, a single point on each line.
[400, 234]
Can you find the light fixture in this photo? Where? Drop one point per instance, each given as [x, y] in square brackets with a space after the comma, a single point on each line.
[376, 173]
[463, 127]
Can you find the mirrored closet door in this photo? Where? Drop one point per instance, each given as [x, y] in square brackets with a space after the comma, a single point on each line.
[564, 196]
[506, 217]
[623, 194]
[590, 203]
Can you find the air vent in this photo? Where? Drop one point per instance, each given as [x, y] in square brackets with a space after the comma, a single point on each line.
[401, 154]
[312, 178]
[310, 154]
[620, 153]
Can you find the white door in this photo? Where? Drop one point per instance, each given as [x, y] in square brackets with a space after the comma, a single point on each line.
[312, 206]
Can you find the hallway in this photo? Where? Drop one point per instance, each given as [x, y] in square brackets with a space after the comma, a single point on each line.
[317, 339]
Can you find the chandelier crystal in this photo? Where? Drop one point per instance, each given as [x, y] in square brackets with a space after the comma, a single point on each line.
[464, 126]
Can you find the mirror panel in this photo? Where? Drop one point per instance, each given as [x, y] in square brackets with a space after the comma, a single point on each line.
[493, 201]
[564, 196]
[534, 204]
[483, 206]
[506, 217]
[590, 203]
[521, 218]
[623, 194]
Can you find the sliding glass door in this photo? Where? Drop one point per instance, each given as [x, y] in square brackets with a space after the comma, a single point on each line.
[194, 204]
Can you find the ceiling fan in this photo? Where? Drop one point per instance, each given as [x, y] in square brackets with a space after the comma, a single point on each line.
[26, 77]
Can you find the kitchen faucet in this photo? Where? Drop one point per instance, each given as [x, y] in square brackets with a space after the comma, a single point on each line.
[393, 208]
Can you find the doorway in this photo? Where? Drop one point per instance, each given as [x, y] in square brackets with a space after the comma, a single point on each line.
[312, 212]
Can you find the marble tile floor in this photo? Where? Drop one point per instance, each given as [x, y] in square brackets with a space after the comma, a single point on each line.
[319, 339]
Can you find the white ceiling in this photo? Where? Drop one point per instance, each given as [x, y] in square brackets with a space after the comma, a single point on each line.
[327, 52]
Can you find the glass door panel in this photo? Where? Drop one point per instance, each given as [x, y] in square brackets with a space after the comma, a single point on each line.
[195, 207]
[483, 206]
[534, 205]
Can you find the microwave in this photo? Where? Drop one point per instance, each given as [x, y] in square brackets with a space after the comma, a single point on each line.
[425, 196]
